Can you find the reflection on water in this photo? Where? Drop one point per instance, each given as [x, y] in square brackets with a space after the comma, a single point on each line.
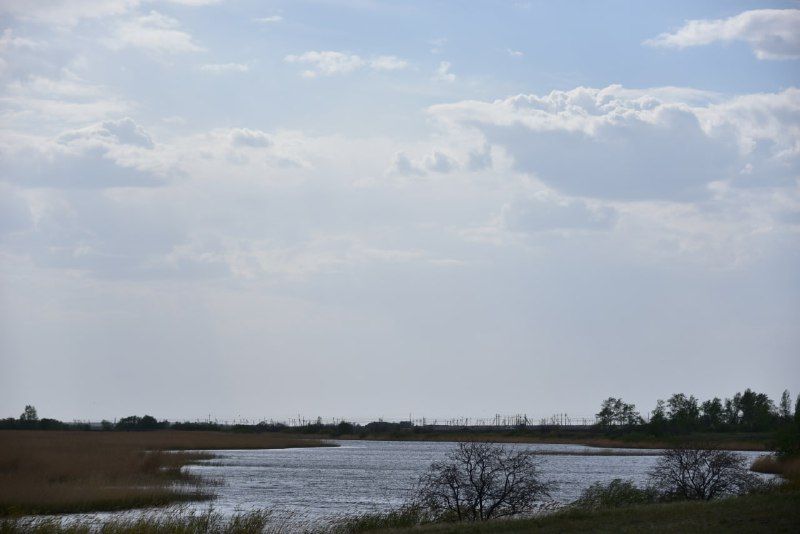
[369, 476]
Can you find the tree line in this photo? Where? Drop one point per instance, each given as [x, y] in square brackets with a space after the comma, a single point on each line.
[747, 411]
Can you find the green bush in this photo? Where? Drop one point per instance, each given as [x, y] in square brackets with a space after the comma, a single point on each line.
[616, 493]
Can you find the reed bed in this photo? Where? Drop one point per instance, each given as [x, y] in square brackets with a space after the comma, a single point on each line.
[46, 472]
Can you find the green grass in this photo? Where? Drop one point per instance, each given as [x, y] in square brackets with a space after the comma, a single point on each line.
[774, 512]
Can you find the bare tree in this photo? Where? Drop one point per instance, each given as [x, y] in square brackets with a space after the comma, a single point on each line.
[479, 481]
[701, 473]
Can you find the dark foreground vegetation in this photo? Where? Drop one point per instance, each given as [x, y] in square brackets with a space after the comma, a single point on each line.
[72, 471]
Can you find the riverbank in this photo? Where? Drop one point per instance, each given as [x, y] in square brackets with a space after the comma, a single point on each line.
[726, 441]
[775, 512]
[49, 472]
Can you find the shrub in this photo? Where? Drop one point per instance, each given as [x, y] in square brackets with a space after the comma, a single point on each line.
[479, 481]
[701, 473]
[616, 493]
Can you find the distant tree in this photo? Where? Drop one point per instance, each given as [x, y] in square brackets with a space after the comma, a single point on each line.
[712, 414]
[785, 407]
[479, 481]
[614, 412]
[797, 410]
[658, 418]
[730, 412]
[683, 412]
[134, 422]
[757, 411]
[29, 415]
[701, 473]
[106, 425]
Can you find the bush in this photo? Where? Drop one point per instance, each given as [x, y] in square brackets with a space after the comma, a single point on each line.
[701, 473]
[479, 481]
[616, 493]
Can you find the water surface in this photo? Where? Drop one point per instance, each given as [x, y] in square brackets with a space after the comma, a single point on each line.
[371, 476]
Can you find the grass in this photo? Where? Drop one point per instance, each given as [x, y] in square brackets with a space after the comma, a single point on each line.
[48, 472]
[173, 522]
[774, 513]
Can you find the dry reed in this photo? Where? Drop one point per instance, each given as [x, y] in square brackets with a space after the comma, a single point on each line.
[72, 471]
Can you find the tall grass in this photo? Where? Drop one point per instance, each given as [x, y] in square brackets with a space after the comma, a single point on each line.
[43, 472]
[173, 522]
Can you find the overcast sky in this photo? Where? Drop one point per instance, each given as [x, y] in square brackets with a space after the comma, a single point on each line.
[367, 209]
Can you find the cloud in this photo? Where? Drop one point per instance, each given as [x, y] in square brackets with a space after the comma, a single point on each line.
[403, 166]
[438, 162]
[270, 19]
[771, 33]
[480, 159]
[66, 12]
[626, 144]
[8, 40]
[244, 137]
[330, 63]
[388, 63]
[222, 68]
[443, 73]
[154, 32]
[107, 154]
[514, 53]
[545, 211]
[123, 131]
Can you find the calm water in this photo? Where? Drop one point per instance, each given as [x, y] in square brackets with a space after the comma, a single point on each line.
[368, 476]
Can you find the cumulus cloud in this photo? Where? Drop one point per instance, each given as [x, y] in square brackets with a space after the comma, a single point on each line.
[123, 131]
[443, 73]
[222, 68]
[250, 138]
[329, 63]
[439, 162]
[403, 166]
[771, 33]
[102, 155]
[156, 33]
[616, 143]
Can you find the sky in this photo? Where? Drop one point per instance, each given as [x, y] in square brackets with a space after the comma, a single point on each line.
[365, 209]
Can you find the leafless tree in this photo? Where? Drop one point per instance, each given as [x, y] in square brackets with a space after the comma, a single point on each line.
[701, 473]
[479, 481]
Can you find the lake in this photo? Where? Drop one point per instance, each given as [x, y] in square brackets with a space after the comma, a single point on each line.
[372, 476]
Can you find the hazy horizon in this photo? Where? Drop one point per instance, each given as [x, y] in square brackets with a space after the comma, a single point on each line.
[365, 209]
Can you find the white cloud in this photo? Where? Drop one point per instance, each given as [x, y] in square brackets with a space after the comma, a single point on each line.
[8, 40]
[330, 63]
[514, 53]
[618, 143]
[270, 19]
[771, 33]
[250, 138]
[545, 211]
[443, 73]
[221, 68]
[156, 33]
[403, 166]
[122, 131]
[439, 162]
[388, 63]
[66, 12]
[327, 62]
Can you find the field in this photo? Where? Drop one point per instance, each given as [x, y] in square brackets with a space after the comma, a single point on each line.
[73, 471]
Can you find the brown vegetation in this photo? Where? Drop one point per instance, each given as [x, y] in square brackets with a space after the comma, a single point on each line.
[74, 471]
